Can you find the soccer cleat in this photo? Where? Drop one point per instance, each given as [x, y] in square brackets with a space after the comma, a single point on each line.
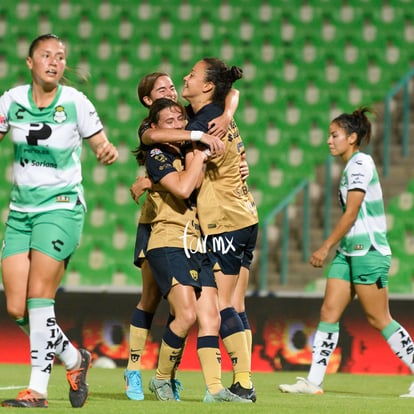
[133, 383]
[78, 391]
[302, 386]
[246, 393]
[410, 393]
[177, 386]
[26, 399]
[162, 389]
[224, 395]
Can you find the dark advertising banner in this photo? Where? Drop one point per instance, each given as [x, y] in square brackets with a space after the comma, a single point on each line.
[283, 330]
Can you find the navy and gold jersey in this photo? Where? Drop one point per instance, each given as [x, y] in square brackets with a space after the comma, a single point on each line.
[141, 130]
[175, 223]
[224, 202]
[147, 213]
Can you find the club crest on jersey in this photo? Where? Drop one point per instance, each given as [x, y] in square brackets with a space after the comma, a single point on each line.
[194, 274]
[60, 114]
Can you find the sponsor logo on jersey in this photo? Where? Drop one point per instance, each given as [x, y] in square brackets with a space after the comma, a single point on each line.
[62, 199]
[3, 122]
[35, 163]
[35, 150]
[155, 151]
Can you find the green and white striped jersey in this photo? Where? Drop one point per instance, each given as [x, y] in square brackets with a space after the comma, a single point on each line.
[370, 228]
[47, 147]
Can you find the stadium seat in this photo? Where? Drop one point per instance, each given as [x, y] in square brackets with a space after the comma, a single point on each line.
[408, 33]
[402, 206]
[94, 268]
[126, 275]
[410, 186]
[401, 276]
[266, 13]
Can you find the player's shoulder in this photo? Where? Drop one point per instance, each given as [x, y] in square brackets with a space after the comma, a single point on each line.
[361, 159]
[17, 92]
[212, 109]
[71, 92]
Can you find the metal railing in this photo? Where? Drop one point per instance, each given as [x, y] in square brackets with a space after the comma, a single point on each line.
[282, 208]
[404, 85]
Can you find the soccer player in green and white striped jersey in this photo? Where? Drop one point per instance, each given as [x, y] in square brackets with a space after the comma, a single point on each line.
[47, 123]
[362, 261]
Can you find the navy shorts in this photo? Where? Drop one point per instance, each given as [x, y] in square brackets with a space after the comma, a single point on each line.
[141, 243]
[232, 250]
[170, 266]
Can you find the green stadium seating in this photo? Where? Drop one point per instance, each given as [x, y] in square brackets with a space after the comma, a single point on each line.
[302, 60]
[401, 276]
[93, 266]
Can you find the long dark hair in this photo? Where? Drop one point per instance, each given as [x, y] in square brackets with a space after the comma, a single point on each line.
[159, 105]
[153, 117]
[222, 76]
[357, 122]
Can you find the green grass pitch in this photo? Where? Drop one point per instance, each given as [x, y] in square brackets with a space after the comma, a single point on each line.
[344, 393]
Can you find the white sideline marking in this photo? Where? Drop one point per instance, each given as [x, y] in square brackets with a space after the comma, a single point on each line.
[12, 387]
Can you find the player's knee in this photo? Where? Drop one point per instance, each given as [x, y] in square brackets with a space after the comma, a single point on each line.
[209, 320]
[186, 319]
[329, 315]
[150, 301]
[15, 310]
[376, 322]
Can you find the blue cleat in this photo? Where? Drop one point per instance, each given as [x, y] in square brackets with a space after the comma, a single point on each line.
[133, 385]
[177, 386]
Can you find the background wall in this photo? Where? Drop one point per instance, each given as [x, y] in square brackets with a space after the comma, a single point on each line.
[282, 327]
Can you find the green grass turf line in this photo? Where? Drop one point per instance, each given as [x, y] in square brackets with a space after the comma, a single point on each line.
[344, 393]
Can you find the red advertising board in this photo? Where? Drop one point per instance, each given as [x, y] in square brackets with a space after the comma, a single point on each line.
[282, 328]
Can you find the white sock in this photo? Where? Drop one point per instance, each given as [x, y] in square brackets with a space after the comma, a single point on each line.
[65, 350]
[42, 338]
[324, 345]
[401, 343]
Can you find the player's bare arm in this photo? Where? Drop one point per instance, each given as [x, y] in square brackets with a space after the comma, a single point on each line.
[347, 220]
[220, 125]
[139, 187]
[106, 153]
[162, 136]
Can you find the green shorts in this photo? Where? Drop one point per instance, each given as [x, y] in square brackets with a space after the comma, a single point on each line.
[361, 270]
[55, 233]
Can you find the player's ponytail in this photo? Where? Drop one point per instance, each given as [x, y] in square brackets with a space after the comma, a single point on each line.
[223, 77]
[357, 122]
